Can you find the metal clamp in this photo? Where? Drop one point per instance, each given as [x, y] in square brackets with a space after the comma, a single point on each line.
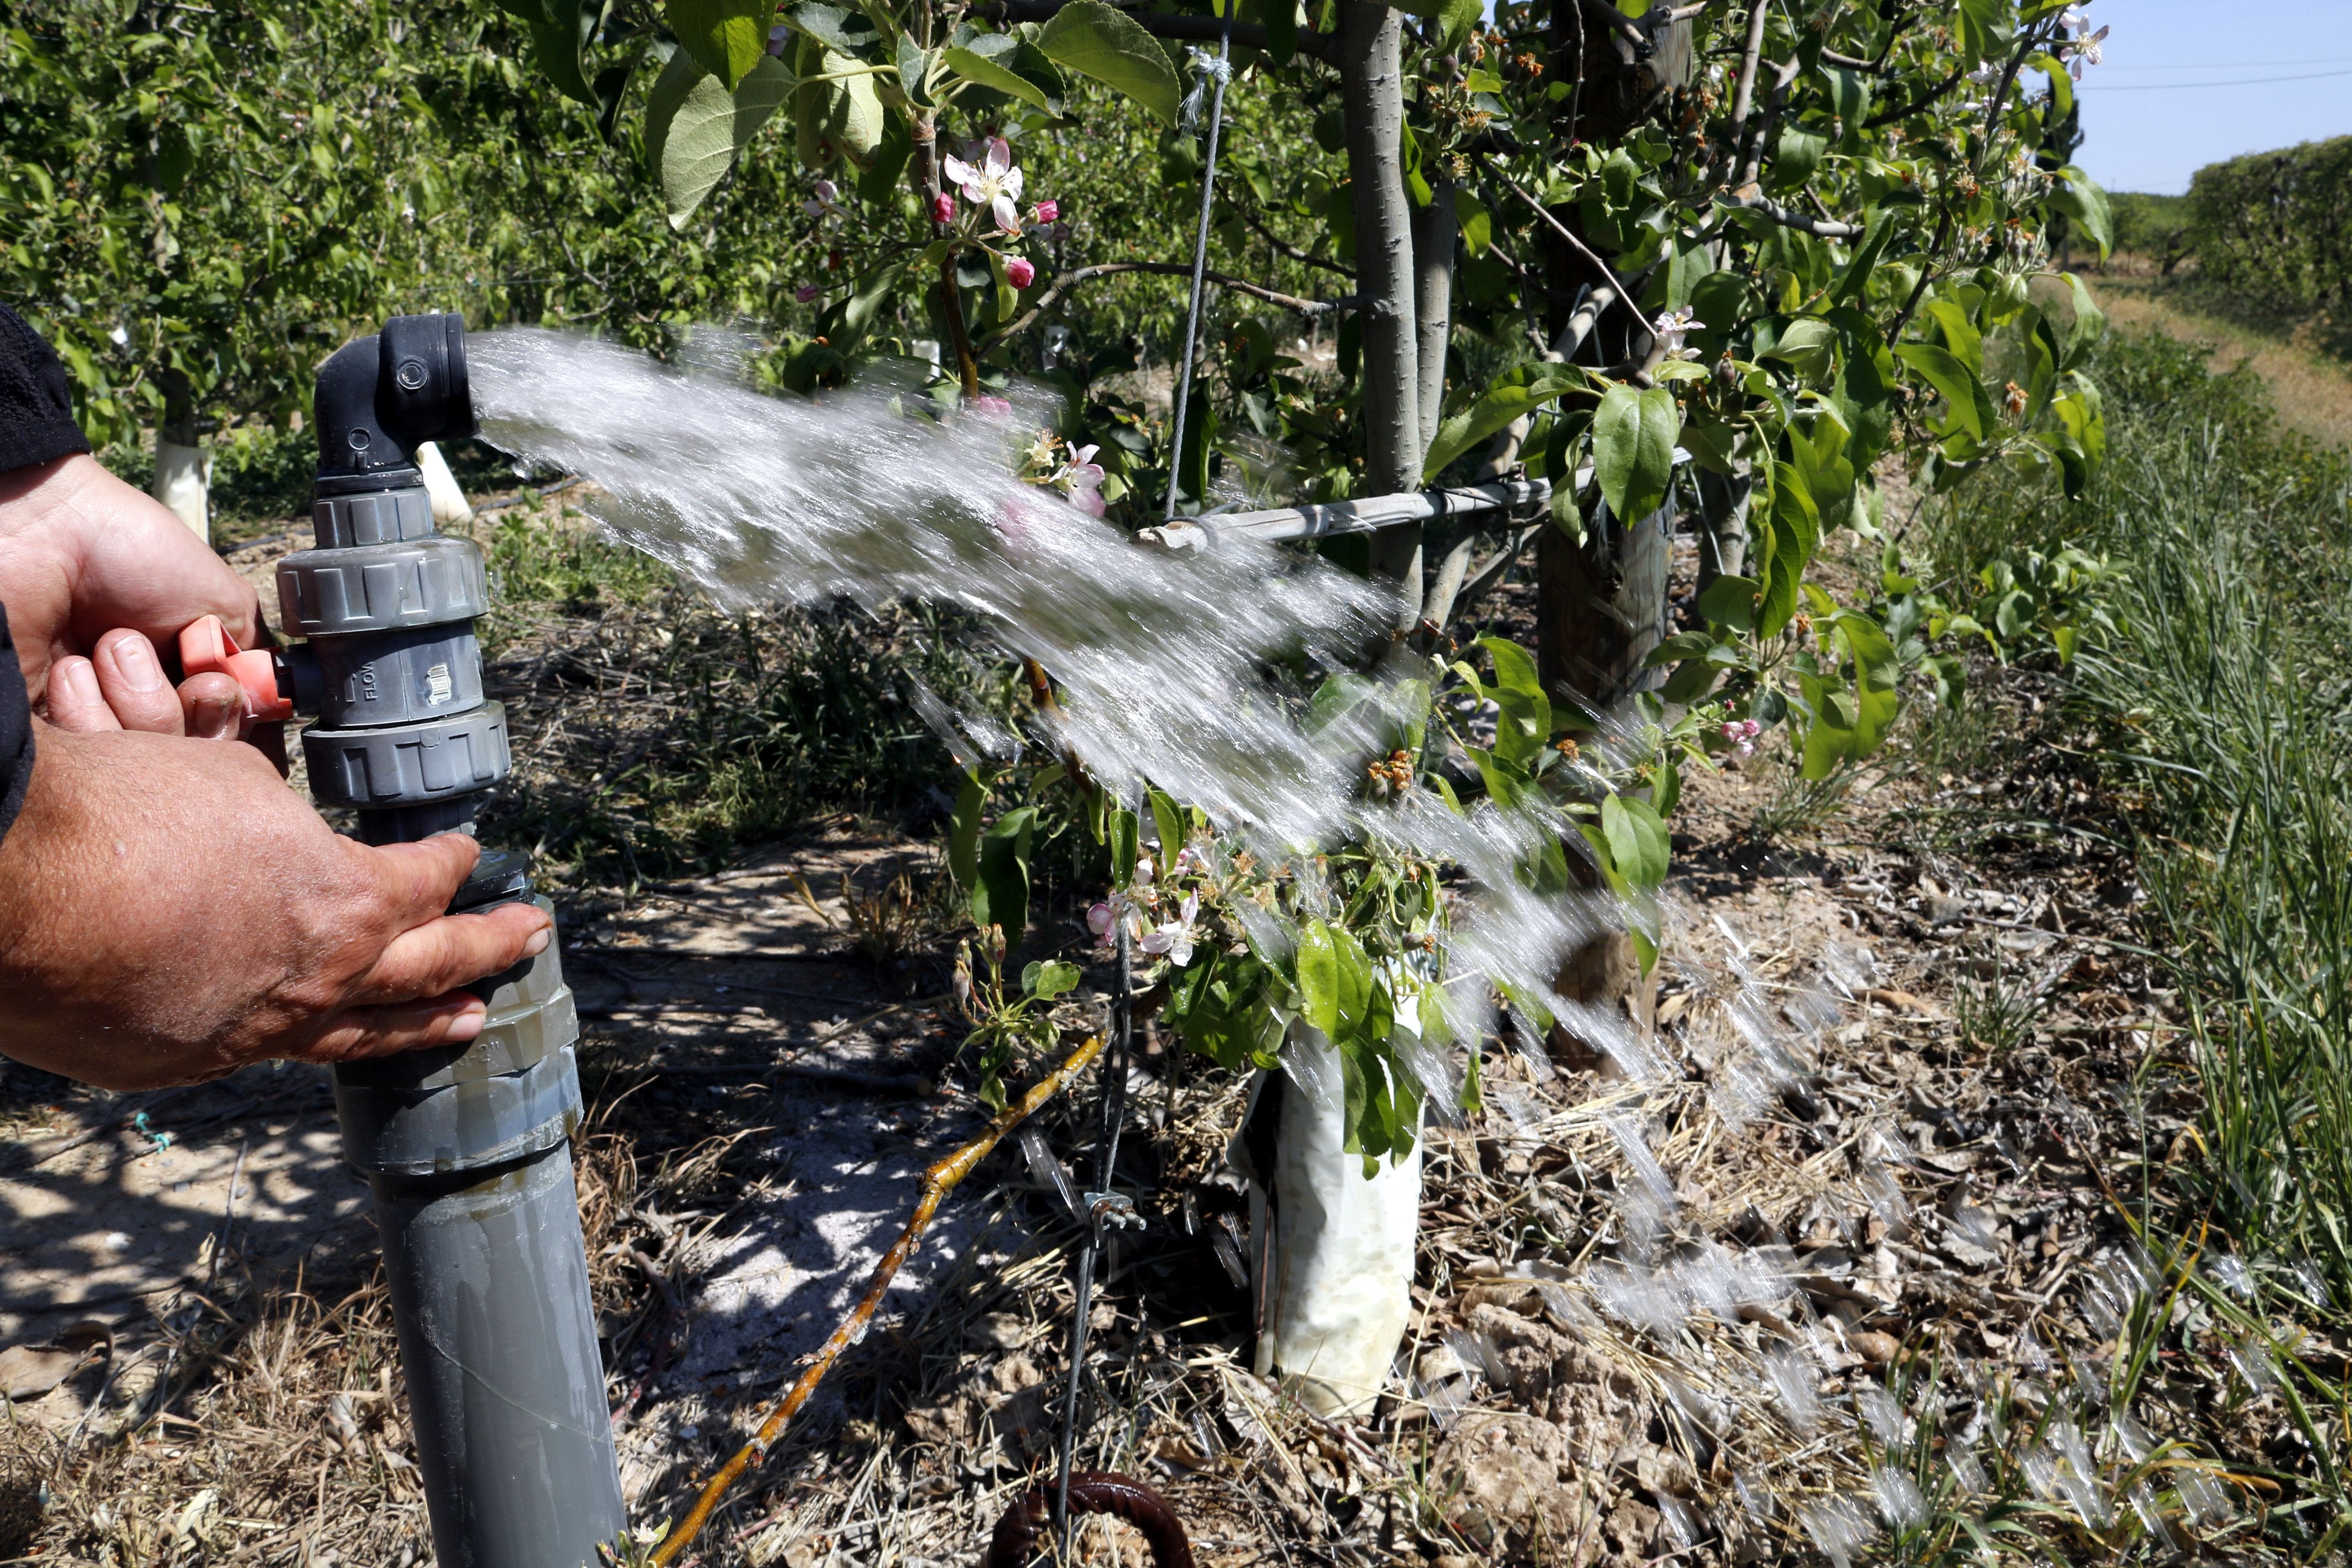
[1112, 1211]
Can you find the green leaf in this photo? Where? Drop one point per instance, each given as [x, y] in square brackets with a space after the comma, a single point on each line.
[1951, 378]
[1730, 601]
[1001, 895]
[2090, 323]
[1508, 783]
[2080, 198]
[880, 183]
[1333, 979]
[1523, 729]
[1008, 298]
[1795, 155]
[1805, 344]
[1167, 820]
[727, 38]
[1855, 279]
[832, 26]
[1634, 448]
[1107, 44]
[978, 68]
[963, 834]
[695, 127]
[1850, 93]
[1983, 28]
[1637, 840]
[1477, 224]
[1456, 19]
[1281, 18]
[558, 36]
[1126, 845]
[839, 117]
[1795, 531]
[1495, 408]
[1050, 979]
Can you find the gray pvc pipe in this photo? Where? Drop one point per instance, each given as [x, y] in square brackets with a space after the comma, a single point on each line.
[506, 1386]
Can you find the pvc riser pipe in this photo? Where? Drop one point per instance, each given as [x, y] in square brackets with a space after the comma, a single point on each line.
[506, 1388]
[465, 1149]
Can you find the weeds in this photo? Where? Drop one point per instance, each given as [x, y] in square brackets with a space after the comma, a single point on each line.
[885, 924]
[1800, 805]
[2221, 716]
[1996, 1007]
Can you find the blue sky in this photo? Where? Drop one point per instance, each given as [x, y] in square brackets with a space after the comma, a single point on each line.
[2190, 82]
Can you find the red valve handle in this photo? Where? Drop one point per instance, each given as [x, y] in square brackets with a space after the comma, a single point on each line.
[206, 648]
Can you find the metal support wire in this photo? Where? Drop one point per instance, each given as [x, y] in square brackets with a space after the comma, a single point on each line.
[1104, 1210]
[1221, 72]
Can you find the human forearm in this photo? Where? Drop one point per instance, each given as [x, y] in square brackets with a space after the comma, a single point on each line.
[170, 910]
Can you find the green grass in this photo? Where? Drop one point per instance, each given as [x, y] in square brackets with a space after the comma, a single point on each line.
[2224, 704]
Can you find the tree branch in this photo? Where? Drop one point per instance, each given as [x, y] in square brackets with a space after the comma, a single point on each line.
[1615, 285]
[1062, 284]
[1819, 229]
[1606, 13]
[1889, 116]
[1203, 29]
[1852, 62]
[1743, 97]
[1283, 248]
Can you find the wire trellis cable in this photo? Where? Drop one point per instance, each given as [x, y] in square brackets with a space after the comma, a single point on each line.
[1104, 1208]
[1221, 72]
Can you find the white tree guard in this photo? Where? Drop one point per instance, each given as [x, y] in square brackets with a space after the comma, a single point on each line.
[183, 478]
[1341, 1294]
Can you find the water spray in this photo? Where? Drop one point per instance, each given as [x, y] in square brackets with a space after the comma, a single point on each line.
[467, 1148]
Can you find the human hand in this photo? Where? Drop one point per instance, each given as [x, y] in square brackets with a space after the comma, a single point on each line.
[121, 686]
[82, 553]
[170, 910]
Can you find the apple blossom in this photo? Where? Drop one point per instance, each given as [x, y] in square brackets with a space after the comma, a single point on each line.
[992, 182]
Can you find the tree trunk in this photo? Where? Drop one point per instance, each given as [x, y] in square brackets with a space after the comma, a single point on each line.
[1602, 606]
[1722, 510]
[1372, 99]
[1434, 229]
[184, 469]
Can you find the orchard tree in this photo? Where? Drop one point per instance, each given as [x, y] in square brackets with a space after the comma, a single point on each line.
[1578, 238]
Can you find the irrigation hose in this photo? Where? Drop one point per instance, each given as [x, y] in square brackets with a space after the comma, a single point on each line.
[939, 1180]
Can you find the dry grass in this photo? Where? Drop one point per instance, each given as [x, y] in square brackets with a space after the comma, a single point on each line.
[2311, 389]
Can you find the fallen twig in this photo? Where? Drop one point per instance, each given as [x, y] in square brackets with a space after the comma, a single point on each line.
[937, 1180]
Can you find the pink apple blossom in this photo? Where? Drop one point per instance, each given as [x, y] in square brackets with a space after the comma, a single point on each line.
[990, 181]
[1018, 269]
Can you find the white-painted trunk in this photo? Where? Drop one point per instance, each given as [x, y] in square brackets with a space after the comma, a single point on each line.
[450, 502]
[1340, 1295]
[183, 479]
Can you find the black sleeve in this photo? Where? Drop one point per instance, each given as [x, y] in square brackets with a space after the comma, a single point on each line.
[36, 420]
[15, 732]
[36, 424]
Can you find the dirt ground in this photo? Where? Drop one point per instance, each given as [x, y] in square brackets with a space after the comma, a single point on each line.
[1918, 1074]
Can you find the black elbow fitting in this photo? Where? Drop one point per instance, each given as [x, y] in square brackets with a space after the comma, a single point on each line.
[378, 398]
